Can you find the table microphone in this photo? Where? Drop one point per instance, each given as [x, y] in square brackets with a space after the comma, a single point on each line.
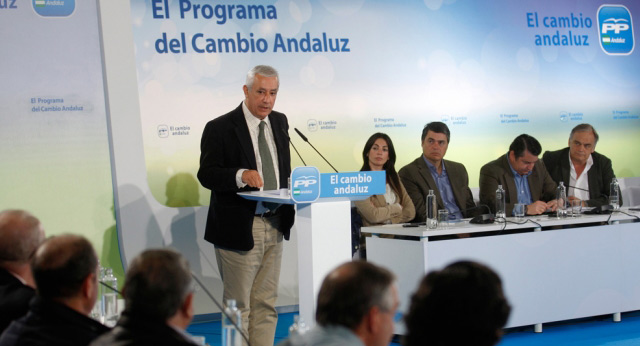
[314, 148]
[578, 188]
[482, 218]
[294, 147]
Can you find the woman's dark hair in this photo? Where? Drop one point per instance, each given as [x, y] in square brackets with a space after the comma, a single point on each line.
[389, 166]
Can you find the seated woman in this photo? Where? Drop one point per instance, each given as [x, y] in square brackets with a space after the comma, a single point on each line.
[394, 206]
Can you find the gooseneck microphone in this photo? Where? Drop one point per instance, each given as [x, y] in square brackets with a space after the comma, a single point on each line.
[577, 188]
[294, 147]
[314, 148]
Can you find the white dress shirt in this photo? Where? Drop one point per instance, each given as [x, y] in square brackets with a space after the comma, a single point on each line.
[581, 182]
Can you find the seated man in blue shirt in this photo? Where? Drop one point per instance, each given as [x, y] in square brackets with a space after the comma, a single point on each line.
[523, 177]
[448, 180]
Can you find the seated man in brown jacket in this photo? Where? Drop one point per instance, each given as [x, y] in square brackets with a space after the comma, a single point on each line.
[523, 177]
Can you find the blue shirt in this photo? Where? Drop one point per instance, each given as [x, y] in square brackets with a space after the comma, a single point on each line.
[522, 185]
[446, 192]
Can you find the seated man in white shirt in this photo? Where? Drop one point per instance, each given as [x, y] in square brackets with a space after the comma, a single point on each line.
[586, 173]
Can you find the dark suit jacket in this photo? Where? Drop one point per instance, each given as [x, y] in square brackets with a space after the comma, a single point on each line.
[49, 323]
[226, 147]
[498, 172]
[599, 175]
[141, 331]
[14, 298]
[417, 180]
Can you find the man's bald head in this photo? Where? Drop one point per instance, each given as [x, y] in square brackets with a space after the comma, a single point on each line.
[349, 292]
[61, 264]
[21, 235]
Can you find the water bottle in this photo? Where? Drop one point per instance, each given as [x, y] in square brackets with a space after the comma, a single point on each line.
[614, 194]
[97, 313]
[432, 211]
[109, 298]
[561, 199]
[500, 203]
[298, 327]
[230, 335]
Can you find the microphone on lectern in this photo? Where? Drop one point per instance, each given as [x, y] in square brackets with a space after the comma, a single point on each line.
[294, 147]
[314, 148]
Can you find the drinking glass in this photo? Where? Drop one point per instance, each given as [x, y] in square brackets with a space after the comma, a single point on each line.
[518, 210]
[443, 218]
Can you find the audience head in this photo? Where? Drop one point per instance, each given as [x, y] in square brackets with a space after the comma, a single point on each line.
[21, 234]
[158, 286]
[362, 297]
[435, 141]
[582, 143]
[65, 270]
[463, 304]
[523, 153]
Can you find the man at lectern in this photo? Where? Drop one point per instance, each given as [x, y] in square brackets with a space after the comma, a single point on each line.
[448, 179]
[586, 173]
[247, 149]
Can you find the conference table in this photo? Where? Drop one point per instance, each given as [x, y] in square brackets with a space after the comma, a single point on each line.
[553, 269]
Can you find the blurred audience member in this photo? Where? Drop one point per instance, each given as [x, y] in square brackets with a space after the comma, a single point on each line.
[65, 271]
[463, 304]
[356, 306]
[21, 234]
[158, 302]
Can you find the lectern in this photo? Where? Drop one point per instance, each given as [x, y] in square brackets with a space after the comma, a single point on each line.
[323, 226]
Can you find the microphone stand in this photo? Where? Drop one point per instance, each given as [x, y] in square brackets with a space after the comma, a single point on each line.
[244, 336]
[109, 287]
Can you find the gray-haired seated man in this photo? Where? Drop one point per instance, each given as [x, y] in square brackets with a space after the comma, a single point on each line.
[356, 306]
[21, 233]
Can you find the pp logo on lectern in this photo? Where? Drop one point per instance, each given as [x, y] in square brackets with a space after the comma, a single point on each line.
[615, 28]
[305, 184]
[54, 8]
